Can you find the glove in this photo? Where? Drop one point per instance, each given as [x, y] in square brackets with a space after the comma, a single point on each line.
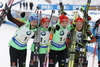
[22, 14]
[86, 41]
[96, 37]
[74, 25]
[9, 14]
[89, 33]
[57, 27]
[49, 29]
[79, 45]
[9, 11]
[89, 18]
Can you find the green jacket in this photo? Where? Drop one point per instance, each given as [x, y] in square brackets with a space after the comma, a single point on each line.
[59, 37]
[18, 39]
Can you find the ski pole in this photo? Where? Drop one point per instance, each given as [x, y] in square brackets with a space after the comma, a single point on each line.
[14, 4]
[37, 8]
[5, 10]
[53, 11]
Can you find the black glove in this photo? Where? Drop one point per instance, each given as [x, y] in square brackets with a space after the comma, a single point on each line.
[9, 15]
[74, 25]
[49, 29]
[96, 37]
[79, 45]
[89, 18]
[22, 14]
[57, 27]
[86, 41]
[89, 33]
[9, 11]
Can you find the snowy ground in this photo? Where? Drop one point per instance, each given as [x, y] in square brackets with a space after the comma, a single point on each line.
[6, 32]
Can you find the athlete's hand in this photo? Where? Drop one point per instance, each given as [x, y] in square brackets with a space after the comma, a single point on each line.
[86, 41]
[89, 18]
[51, 29]
[80, 45]
[89, 33]
[22, 14]
[57, 27]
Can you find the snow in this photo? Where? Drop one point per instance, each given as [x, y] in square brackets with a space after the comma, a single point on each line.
[6, 32]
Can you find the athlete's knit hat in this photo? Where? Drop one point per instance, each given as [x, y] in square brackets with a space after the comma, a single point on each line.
[45, 19]
[63, 18]
[32, 18]
[35, 15]
[79, 19]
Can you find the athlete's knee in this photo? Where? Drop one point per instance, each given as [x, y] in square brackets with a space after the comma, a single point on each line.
[13, 64]
[31, 63]
[76, 62]
[22, 64]
[51, 62]
[86, 62]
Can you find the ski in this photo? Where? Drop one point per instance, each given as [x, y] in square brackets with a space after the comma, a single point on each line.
[5, 11]
[81, 57]
[37, 43]
[72, 51]
[75, 14]
[61, 11]
[61, 7]
[82, 54]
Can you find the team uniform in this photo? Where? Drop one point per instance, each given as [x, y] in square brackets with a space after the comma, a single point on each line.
[80, 48]
[43, 44]
[18, 43]
[58, 44]
[79, 45]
